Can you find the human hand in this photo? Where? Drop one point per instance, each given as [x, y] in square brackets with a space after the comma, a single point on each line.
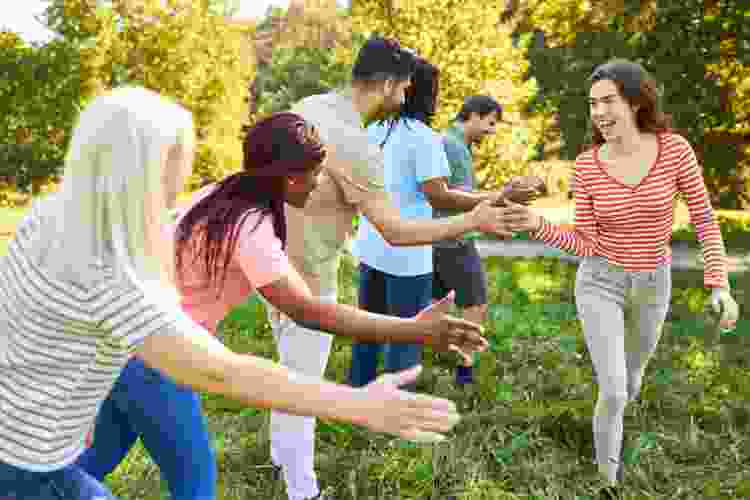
[489, 219]
[524, 189]
[497, 199]
[519, 218]
[446, 333]
[383, 407]
[725, 308]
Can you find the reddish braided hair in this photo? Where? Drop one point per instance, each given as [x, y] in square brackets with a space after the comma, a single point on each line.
[274, 148]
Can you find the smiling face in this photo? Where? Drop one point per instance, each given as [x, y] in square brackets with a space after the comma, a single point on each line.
[478, 127]
[299, 187]
[611, 114]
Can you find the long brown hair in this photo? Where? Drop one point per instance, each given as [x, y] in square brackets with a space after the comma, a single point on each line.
[639, 89]
[276, 147]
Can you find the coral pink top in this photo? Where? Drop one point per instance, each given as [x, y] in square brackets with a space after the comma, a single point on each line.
[257, 261]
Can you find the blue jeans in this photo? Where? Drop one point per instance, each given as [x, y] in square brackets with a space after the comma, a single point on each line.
[68, 483]
[168, 418]
[382, 293]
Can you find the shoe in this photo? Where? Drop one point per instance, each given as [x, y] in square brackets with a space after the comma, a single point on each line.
[277, 473]
[324, 495]
[464, 375]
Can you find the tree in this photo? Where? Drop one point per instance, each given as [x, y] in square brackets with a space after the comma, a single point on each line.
[694, 49]
[39, 101]
[295, 56]
[474, 50]
[295, 73]
[179, 49]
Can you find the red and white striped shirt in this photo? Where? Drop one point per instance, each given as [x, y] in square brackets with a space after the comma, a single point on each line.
[631, 226]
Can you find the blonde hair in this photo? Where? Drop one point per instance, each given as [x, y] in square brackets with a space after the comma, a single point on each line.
[111, 205]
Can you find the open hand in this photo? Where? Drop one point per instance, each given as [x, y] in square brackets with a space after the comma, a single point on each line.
[725, 307]
[416, 417]
[446, 333]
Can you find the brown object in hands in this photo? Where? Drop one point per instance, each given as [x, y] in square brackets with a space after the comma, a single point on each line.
[525, 189]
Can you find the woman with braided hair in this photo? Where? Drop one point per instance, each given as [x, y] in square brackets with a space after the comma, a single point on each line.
[229, 243]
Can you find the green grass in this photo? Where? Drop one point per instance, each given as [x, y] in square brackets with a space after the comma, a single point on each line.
[526, 432]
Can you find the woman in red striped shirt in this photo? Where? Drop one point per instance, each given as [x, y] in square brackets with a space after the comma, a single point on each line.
[625, 187]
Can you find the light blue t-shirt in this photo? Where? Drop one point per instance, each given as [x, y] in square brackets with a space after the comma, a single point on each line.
[413, 154]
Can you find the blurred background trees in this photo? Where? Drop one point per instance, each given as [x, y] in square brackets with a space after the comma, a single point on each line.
[534, 56]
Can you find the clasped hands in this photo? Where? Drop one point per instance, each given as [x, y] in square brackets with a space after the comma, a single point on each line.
[506, 212]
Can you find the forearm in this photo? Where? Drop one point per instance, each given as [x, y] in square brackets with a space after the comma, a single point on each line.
[455, 199]
[418, 232]
[576, 241]
[708, 233]
[205, 364]
[398, 231]
[714, 256]
[261, 383]
[362, 326]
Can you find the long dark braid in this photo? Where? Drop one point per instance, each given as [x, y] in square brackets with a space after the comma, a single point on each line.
[276, 147]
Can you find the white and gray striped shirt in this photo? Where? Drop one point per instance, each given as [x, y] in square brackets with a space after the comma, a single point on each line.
[63, 344]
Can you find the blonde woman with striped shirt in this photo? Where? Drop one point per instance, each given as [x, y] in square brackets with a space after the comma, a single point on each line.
[625, 187]
[87, 283]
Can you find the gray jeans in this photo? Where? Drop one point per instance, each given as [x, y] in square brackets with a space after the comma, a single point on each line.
[622, 314]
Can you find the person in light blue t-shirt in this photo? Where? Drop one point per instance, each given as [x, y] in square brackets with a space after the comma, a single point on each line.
[398, 280]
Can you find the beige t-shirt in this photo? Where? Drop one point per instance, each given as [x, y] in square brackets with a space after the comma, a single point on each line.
[318, 233]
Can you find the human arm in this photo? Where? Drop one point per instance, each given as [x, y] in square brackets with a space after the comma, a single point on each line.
[579, 241]
[442, 332]
[261, 258]
[453, 167]
[443, 197]
[416, 232]
[191, 356]
[690, 183]
[144, 319]
[519, 189]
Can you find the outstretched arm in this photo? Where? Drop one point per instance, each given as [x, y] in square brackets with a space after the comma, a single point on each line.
[579, 241]
[416, 232]
[193, 357]
[291, 296]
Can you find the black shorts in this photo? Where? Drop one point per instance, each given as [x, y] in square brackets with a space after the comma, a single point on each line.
[459, 268]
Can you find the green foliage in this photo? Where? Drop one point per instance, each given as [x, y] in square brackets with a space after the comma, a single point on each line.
[298, 72]
[474, 51]
[39, 101]
[179, 49]
[681, 50]
[734, 229]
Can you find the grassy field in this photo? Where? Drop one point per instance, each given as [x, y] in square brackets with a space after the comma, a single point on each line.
[527, 427]
[526, 432]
